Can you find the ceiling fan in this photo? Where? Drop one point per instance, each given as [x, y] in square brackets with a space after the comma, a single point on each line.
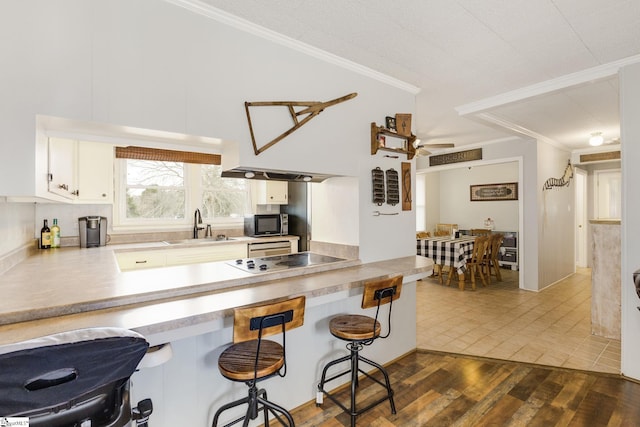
[422, 149]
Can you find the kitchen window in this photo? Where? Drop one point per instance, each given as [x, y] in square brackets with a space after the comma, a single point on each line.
[154, 193]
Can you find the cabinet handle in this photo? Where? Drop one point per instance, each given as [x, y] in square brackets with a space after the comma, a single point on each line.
[141, 262]
[76, 193]
[63, 186]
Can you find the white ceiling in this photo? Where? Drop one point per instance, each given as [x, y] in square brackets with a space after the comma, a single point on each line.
[486, 69]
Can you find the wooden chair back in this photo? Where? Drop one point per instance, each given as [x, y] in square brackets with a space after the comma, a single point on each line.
[480, 246]
[480, 232]
[445, 227]
[249, 320]
[496, 242]
[441, 233]
[422, 235]
[384, 291]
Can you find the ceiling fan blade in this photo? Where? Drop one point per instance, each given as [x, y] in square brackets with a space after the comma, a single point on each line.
[447, 145]
[422, 152]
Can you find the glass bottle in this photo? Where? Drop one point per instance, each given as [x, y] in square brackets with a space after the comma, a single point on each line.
[55, 234]
[45, 236]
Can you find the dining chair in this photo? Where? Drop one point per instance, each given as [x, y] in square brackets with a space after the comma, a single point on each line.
[422, 234]
[480, 232]
[439, 233]
[491, 260]
[475, 265]
[447, 228]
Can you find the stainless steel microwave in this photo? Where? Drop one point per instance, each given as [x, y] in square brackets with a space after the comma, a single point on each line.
[266, 225]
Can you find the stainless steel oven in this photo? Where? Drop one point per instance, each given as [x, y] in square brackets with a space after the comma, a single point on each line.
[262, 249]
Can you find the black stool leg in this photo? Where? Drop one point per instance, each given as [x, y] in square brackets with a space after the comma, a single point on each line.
[386, 380]
[229, 406]
[355, 358]
[354, 384]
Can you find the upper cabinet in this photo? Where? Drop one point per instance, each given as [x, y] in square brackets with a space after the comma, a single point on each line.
[271, 192]
[62, 165]
[80, 171]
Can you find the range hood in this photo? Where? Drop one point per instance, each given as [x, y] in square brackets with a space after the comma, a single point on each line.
[274, 175]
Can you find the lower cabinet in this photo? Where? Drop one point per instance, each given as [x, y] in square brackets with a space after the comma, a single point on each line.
[137, 260]
[208, 254]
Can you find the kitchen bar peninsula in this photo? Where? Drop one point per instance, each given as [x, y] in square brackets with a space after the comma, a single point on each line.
[191, 307]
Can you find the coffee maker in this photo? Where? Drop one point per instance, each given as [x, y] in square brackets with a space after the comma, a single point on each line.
[93, 231]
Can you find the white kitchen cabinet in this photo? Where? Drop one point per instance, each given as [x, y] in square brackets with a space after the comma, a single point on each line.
[95, 172]
[271, 192]
[137, 260]
[210, 253]
[62, 166]
[80, 171]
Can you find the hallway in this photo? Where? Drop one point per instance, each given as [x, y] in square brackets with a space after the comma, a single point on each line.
[501, 321]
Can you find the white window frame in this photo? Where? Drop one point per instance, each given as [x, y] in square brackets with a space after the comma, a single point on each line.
[193, 201]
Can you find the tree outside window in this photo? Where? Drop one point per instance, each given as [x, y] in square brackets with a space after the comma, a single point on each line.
[168, 192]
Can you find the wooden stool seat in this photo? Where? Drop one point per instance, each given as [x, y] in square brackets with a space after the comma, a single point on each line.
[238, 361]
[354, 327]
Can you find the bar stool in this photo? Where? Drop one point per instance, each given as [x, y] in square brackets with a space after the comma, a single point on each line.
[251, 358]
[73, 378]
[362, 331]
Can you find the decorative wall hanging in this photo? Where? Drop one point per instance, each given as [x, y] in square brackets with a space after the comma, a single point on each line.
[406, 186]
[487, 192]
[563, 181]
[403, 124]
[458, 156]
[312, 109]
[377, 183]
[393, 187]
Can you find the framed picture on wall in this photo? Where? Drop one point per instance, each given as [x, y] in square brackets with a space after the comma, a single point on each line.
[492, 192]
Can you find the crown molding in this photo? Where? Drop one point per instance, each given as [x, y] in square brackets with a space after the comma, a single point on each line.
[581, 77]
[209, 11]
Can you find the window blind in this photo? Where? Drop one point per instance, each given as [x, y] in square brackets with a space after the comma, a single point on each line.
[144, 153]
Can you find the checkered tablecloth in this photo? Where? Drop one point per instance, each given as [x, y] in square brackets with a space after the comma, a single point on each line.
[445, 251]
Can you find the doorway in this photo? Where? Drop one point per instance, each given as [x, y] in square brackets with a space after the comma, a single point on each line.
[581, 217]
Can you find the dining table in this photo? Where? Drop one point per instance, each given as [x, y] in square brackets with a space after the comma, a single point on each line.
[445, 250]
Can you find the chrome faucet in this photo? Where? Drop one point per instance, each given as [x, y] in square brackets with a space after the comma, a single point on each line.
[197, 220]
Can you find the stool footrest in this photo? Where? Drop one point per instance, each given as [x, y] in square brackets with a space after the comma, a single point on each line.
[354, 370]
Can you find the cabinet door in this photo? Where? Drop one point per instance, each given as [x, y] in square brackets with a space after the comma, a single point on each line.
[271, 192]
[62, 170]
[95, 172]
[277, 192]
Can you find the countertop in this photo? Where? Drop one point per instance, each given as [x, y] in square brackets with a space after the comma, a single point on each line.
[70, 288]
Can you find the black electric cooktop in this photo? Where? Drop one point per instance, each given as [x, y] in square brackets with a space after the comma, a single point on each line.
[282, 262]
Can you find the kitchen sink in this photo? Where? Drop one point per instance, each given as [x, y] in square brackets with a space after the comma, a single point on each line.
[197, 241]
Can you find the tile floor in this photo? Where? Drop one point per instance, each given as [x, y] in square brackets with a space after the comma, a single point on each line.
[551, 327]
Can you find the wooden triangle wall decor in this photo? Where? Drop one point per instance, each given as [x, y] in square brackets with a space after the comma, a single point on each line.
[311, 109]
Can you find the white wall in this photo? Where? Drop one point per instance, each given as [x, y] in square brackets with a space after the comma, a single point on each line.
[556, 218]
[456, 206]
[630, 127]
[154, 65]
[16, 225]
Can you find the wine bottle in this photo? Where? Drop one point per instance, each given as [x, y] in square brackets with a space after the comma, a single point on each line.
[45, 236]
[55, 234]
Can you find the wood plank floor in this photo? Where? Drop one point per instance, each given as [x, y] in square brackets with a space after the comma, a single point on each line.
[444, 389]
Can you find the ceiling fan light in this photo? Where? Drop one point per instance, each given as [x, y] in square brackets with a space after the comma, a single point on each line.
[416, 143]
[596, 139]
